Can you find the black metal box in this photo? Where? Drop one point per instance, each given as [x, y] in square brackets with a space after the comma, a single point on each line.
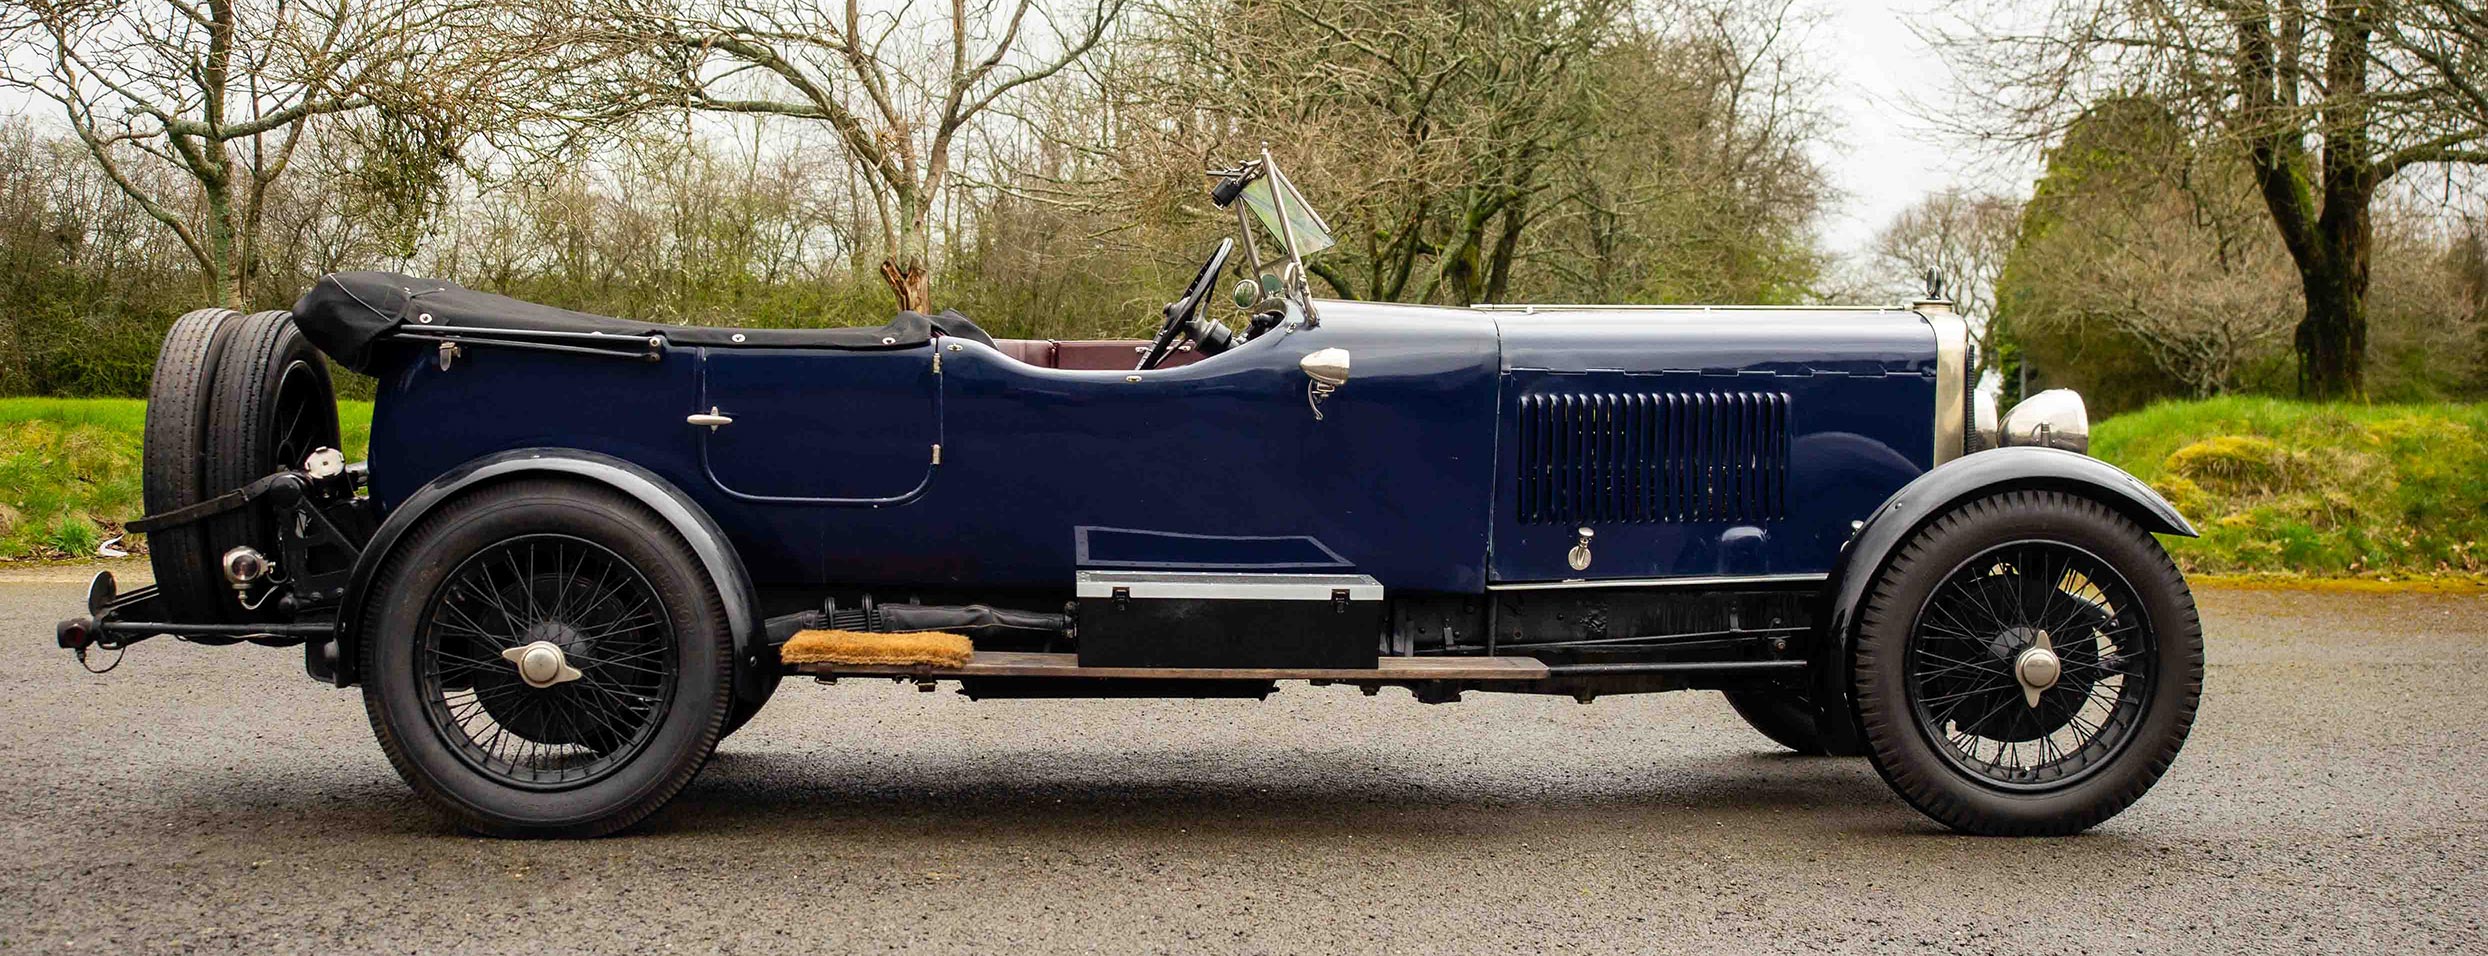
[1184, 619]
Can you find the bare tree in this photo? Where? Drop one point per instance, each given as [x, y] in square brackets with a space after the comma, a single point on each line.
[1961, 237]
[221, 91]
[898, 88]
[1469, 149]
[2328, 101]
[2135, 232]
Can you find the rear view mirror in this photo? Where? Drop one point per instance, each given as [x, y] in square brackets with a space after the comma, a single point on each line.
[1227, 189]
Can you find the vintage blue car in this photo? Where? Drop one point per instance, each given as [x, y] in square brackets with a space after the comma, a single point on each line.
[584, 549]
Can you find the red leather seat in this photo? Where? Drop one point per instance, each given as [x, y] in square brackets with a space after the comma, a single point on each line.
[1108, 355]
[1037, 352]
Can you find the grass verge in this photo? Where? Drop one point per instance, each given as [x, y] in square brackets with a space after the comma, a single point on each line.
[69, 471]
[2284, 489]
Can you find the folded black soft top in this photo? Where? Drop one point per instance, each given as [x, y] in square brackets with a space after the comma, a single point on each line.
[347, 313]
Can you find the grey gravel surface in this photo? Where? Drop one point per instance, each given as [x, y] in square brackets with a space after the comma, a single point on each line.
[212, 799]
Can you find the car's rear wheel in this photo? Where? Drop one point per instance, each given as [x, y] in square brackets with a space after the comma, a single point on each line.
[546, 659]
[1785, 716]
[2028, 664]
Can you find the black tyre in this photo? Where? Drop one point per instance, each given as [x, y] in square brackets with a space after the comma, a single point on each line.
[2027, 665]
[274, 404]
[578, 742]
[179, 400]
[1785, 716]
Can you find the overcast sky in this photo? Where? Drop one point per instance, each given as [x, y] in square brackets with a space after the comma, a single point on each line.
[1885, 158]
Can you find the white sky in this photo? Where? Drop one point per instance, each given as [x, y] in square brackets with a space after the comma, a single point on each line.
[1886, 158]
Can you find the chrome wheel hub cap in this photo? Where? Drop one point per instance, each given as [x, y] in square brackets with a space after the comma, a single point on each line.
[2037, 667]
[541, 664]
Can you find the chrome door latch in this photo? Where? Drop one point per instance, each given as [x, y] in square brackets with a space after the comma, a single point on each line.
[1579, 556]
[711, 418]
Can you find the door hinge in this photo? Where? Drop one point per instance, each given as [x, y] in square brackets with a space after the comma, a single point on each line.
[937, 454]
[937, 363]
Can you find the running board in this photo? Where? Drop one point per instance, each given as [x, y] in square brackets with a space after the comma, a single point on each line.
[1026, 664]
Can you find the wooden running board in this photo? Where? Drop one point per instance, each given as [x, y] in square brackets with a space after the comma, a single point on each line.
[1026, 664]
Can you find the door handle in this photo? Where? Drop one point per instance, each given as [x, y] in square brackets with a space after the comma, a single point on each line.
[711, 418]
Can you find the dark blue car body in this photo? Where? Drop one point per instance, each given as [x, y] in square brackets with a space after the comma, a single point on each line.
[829, 473]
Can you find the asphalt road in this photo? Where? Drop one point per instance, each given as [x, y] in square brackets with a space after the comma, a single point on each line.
[205, 799]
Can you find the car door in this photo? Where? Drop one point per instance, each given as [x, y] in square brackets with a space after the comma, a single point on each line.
[823, 426]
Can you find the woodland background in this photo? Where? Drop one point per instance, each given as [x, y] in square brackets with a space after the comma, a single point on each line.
[1037, 165]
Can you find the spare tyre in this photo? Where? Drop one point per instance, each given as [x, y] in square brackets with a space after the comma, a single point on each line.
[170, 474]
[234, 397]
[273, 405]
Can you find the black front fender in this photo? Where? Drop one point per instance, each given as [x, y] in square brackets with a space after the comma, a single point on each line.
[716, 554]
[1962, 479]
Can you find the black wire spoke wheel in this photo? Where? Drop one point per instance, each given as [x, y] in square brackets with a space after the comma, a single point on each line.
[546, 657]
[546, 661]
[2026, 664]
[2031, 665]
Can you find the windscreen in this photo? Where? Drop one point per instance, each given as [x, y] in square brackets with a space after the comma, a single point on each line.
[1304, 226]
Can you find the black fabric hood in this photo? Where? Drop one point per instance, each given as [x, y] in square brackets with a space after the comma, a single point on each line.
[347, 314]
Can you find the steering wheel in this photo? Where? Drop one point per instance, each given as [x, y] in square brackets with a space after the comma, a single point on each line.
[1182, 314]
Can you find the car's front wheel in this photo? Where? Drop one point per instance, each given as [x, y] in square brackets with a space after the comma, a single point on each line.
[2028, 664]
[546, 659]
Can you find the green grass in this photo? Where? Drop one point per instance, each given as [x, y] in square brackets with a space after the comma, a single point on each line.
[69, 471]
[2292, 488]
[2277, 487]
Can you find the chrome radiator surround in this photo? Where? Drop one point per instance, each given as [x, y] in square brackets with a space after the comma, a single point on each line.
[1952, 378]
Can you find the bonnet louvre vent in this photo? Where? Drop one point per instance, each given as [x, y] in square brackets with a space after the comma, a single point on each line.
[1653, 456]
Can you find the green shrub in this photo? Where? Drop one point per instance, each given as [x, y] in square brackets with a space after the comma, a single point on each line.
[2296, 488]
[69, 471]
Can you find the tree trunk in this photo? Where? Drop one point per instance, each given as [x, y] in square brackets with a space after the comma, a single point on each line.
[911, 245]
[229, 287]
[911, 285]
[223, 256]
[2332, 338]
[1499, 263]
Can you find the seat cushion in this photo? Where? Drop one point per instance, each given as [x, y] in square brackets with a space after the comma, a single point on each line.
[1094, 355]
[1037, 352]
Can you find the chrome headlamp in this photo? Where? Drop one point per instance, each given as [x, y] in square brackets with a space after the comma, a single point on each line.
[2051, 419]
